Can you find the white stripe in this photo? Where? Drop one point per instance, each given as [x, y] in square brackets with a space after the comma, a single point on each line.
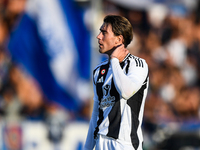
[139, 132]
[126, 122]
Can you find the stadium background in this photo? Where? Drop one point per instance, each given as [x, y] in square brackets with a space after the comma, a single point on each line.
[48, 50]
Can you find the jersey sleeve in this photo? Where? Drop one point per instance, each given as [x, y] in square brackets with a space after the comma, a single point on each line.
[128, 84]
[90, 141]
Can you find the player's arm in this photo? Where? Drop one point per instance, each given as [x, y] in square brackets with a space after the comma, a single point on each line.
[128, 84]
[90, 141]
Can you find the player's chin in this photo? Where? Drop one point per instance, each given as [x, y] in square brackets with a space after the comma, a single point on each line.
[101, 51]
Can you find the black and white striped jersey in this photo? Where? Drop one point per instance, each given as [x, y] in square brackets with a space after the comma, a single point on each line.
[120, 90]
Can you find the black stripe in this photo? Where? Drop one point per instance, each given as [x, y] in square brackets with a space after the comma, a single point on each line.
[135, 103]
[141, 63]
[122, 64]
[100, 95]
[114, 115]
[98, 122]
[136, 62]
[127, 67]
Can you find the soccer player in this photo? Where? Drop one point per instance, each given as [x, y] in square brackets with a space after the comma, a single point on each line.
[120, 88]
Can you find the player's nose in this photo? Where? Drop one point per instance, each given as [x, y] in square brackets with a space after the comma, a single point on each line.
[99, 36]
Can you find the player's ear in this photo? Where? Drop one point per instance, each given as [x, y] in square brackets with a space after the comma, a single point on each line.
[120, 39]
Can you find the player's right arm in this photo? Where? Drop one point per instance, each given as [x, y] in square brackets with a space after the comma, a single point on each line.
[90, 141]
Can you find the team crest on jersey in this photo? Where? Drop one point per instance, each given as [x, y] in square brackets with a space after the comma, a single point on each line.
[103, 71]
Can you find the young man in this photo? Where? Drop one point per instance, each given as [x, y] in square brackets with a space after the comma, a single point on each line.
[120, 88]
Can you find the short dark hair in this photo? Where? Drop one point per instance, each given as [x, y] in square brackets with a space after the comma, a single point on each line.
[120, 26]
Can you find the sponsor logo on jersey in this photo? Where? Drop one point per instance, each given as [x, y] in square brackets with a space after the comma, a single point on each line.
[108, 100]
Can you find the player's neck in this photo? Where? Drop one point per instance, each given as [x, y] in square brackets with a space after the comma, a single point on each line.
[121, 58]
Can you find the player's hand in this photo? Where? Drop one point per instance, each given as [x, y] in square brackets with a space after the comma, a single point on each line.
[119, 52]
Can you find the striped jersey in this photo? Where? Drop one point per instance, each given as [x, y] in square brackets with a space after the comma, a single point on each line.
[120, 90]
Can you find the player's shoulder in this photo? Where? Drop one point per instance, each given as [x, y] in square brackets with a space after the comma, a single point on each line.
[101, 64]
[134, 57]
[137, 61]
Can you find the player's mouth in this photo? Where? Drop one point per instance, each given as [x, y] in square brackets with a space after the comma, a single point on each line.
[100, 45]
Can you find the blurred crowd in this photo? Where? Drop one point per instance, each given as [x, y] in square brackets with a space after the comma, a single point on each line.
[168, 38]
[15, 85]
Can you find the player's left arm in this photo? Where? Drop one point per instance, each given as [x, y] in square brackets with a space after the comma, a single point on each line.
[128, 84]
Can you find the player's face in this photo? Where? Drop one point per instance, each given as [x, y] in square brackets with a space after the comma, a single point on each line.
[106, 39]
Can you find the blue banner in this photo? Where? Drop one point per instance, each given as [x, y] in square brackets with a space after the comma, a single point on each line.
[51, 41]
